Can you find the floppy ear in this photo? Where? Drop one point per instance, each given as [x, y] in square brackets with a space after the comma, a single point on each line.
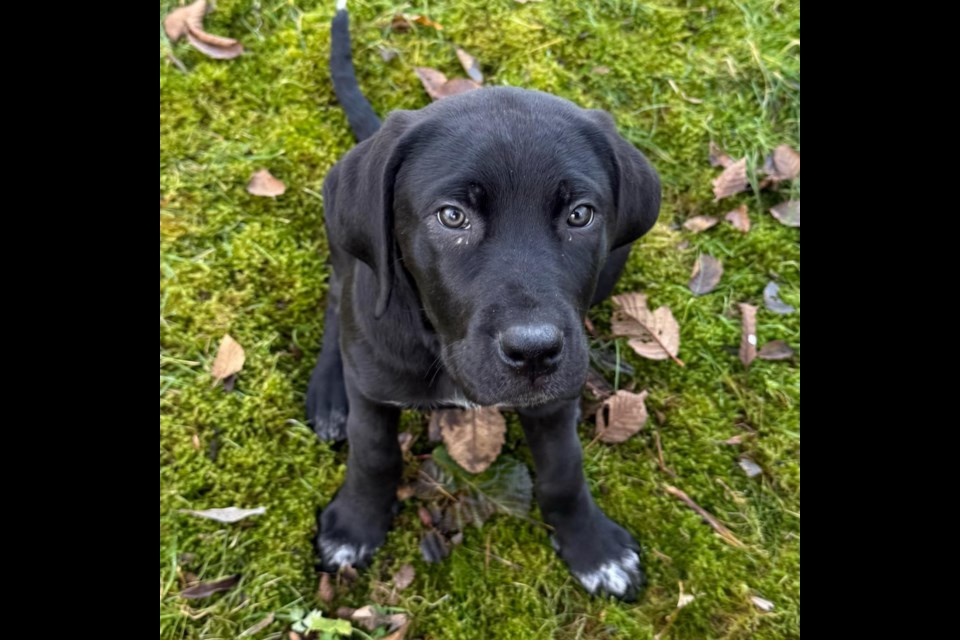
[636, 186]
[358, 202]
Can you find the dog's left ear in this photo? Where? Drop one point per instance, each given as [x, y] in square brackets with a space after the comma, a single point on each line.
[358, 201]
[636, 185]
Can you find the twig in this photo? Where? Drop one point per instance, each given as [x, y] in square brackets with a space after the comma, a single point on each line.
[725, 533]
[176, 62]
[663, 465]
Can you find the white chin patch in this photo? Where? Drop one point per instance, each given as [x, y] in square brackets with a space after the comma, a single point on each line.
[614, 577]
[340, 554]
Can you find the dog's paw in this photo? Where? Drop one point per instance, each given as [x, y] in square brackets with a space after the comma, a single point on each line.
[606, 561]
[350, 534]
[327, 406]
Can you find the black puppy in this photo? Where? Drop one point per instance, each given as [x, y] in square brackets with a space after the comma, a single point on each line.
[468, 240]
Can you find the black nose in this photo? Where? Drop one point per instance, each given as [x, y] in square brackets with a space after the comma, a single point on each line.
[532, 348]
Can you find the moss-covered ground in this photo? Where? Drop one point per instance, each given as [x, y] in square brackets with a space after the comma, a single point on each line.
[679, 75]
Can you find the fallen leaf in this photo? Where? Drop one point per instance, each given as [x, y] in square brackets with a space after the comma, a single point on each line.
[737, 439]
[762, 603]
[506, 487]
[470, 65]
[426, 519]
[782, 164]
[732, 180]
[696, 224]
[406, 439]
[404, 576]
[788, 213]
[597, 385]
[748, 335]
[653, 334]
[739, 218]
[621, 415]
[260, 626]
[724, 532]
[262, 183]
[205, 589]
[399, 634]
[401, 22]
[706, 275]
[473, 437]
[371, 617]
[601, 70]
[718, 157]
[434, 547]
[775, 350]
[328, 627]
[405, 492]
[226, 514]
[229, 360]
[216, 47]
[437, 85]
[685, 599]
[326, 592]
[772, 301]
[751, 468]
[195, 439]
[176, 22]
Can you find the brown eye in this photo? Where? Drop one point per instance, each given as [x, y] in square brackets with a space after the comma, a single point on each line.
[581, 216]
[452, 218]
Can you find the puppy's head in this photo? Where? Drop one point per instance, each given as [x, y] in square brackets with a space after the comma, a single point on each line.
[502, 206]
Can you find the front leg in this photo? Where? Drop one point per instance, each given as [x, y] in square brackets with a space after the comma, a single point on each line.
[599, 552]
[356, 521]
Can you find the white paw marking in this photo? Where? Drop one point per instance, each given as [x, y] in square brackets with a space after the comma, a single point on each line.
[340, 555]
[614, 577]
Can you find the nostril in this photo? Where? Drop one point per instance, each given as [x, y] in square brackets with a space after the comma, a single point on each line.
[535, 346]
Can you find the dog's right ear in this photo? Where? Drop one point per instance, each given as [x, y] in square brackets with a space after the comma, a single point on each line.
[358, 201]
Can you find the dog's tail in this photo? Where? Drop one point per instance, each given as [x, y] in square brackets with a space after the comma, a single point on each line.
[363, 120]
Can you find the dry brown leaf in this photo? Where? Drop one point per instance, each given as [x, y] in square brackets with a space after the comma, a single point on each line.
[216, 47]
[326, 592]
[706, 275]
[724, 532]
[696, 224]
[601, 70]
[737, 439]
[775, 350]
[473, 437]
[438, 86]
[748, 336]
[229, 360]
[626, 414]
[653, 334]
[369, 618]
[782, 164]
[175, 24]
[470, 65]
[402, 22]
[262, 183]
[404, 576]
[788, 213]
[204, 589]
[406, 440]
[739, 218]
[718, 157]
[732, 180]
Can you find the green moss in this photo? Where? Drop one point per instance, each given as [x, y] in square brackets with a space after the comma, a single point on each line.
[256, 267]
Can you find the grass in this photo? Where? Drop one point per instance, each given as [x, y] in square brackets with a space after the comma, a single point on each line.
[680, 74]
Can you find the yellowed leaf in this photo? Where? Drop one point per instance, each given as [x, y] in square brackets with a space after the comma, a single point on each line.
[473, 437]
[229, 360]
[262, 183]
[621, 415]
[653, 334]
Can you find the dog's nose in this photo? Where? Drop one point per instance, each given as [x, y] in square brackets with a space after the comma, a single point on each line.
[534, 348]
